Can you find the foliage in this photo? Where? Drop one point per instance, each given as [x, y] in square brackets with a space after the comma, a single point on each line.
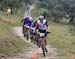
[58, 8]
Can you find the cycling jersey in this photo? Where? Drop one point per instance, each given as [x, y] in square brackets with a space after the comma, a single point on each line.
[27, 22]
[33, 24]
[42, 25]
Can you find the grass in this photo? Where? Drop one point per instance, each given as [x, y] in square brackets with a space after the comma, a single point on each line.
[10, 44]
[61, 38]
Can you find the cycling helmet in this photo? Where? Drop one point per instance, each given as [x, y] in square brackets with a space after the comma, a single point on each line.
[25, 17]
[30, 18]
[41, 17]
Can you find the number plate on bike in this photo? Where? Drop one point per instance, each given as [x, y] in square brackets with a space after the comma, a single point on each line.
[42, 34]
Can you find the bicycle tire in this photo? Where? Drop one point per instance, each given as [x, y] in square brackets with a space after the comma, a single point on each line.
[27, 37]
[43, 47]
[43, 50]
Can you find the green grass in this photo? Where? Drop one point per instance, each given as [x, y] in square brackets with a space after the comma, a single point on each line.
[10, 44]
[61, 37]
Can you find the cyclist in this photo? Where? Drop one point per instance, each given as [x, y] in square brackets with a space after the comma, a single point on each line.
[33, 25]
[33, 33]
[42, 26]
[23, 22]
[27, 24]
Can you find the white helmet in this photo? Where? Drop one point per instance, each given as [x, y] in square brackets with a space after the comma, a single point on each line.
[25, 17]
[30, 18]
[41, 17]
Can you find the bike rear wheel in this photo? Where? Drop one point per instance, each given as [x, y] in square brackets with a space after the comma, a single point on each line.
[43, 46]
[43, 50]
[27, 37]
[27, 33]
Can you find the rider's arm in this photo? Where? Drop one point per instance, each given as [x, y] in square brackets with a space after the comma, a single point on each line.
[36, 25]
[32, 23]
[22, 22]
[47, 25]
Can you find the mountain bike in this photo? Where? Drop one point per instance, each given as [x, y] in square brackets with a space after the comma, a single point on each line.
[33, 36]
[27, 32]
[43, 43]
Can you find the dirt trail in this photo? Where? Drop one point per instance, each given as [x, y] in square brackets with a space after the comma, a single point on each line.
[27, 54]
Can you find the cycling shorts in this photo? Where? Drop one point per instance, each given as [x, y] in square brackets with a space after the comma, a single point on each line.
[42, 32]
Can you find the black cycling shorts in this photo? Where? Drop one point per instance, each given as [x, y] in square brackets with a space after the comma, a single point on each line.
[43, 31]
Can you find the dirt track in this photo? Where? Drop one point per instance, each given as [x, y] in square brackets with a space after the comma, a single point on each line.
[27, 54]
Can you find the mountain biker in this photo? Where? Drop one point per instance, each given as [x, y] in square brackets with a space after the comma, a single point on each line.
[42, 26]
[33, 32]
[33, 25]
[26, 23]
[23, 22]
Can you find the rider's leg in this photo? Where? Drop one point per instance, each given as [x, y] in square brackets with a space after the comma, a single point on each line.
[23, 30]
[46, 49]
[38, 37]
[27, 33]
[31, 35]
[39, 42]
[46, 43]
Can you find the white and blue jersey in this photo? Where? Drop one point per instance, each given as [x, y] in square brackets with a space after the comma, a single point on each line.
[27, 22]
[42, 25]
